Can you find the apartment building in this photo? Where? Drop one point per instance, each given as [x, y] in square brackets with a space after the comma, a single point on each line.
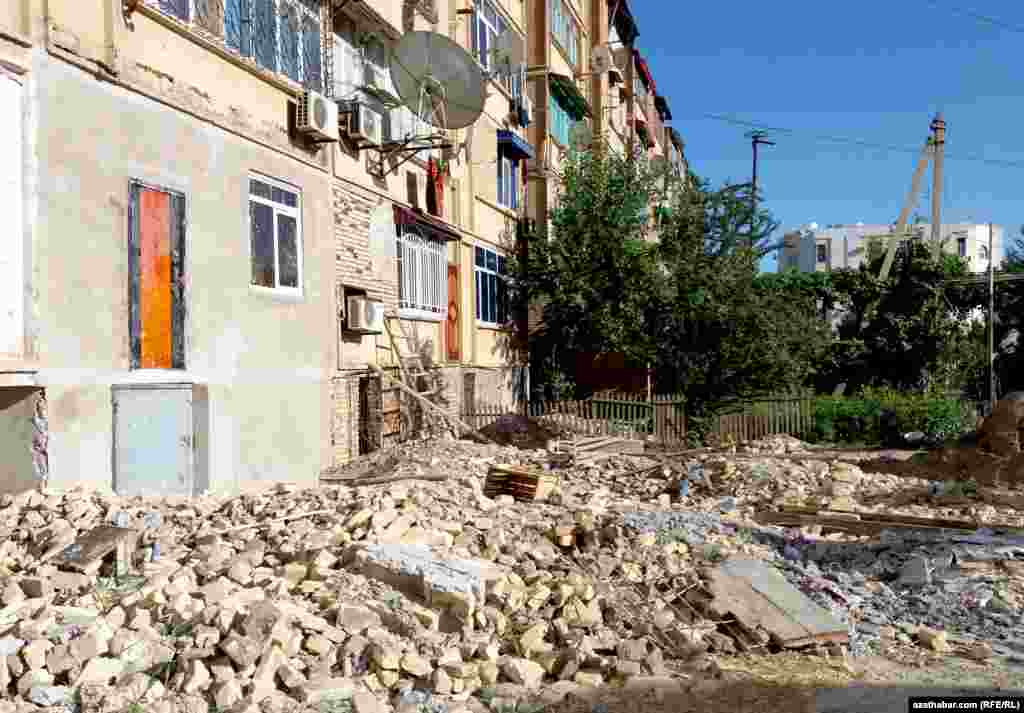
[200, 275]
[834, 247]
[167, 258]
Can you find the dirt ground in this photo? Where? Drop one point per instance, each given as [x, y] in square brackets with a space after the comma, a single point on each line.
[797, 683]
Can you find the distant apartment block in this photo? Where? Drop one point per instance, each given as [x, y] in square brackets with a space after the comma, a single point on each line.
[835, 247]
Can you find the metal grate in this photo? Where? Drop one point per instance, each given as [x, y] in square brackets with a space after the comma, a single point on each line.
[288, 37]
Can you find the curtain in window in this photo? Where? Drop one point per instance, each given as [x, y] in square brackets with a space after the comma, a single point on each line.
[265, 33]
[210, 16]
[289, 24]
[312, 74]
[177, 8]
[238, 26]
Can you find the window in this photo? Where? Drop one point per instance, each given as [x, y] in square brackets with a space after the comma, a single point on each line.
[560, 121]
[156, 268]
[491, 287]
[274, 233]
[282, 36]
[488, 25]
[422, 274]
[822, 253]
[564, 29]
[508, 182]
[12, 275]
[961, 247]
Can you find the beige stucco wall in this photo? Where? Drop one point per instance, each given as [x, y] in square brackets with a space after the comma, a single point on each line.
[205, 124]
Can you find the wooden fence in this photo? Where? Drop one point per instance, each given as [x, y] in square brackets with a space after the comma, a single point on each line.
[759, 417]
[663, 417]
[623, 415]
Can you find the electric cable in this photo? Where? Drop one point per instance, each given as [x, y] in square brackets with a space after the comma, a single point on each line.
[859, 142]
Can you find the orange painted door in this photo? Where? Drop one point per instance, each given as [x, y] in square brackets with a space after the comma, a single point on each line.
[155, 303]
[452, 324]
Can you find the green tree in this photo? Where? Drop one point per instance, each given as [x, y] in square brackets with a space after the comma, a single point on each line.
[690, 303]
[594, 274]
[725, 331]
[910, 331]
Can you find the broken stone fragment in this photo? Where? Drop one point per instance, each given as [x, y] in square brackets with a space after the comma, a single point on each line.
[935, 640]
[415, 665]
[523, 671]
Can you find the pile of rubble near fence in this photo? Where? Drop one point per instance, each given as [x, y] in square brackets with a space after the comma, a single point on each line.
[417, 585]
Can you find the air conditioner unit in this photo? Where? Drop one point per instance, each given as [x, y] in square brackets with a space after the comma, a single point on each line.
[364, 123]
[363, 315]
[317, 116]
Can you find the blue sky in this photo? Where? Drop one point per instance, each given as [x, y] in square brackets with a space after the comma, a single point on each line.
[873, 71]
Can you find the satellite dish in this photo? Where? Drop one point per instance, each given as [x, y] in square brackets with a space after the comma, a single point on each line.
[438, 80]
[580, 135]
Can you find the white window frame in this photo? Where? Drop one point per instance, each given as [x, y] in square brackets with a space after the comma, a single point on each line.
[425, 299]
[508, 180]
[509, 79]
[12, 247]
[566, 31]
[299, 8]
[279, 209]
[477, 271]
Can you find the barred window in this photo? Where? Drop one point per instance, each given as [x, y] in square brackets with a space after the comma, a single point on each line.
[282, 36]
[422, 274]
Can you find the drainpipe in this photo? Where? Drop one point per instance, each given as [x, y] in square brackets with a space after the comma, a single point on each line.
[113, 19]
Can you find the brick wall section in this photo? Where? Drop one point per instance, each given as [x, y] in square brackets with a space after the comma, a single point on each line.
[355, 265]
[344, 419]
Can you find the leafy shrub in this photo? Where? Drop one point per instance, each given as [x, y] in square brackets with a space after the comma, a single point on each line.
[857, 419]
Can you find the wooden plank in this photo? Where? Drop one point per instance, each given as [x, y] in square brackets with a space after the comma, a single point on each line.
[87, 553]
[759, 597]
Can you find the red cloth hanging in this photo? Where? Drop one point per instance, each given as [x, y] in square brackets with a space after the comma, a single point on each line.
[432, 206]
[439, 188]
[435, 188]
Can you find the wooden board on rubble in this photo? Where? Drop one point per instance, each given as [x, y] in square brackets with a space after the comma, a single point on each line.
[521, 483]
[868, 521]
[757, 596]
[87, 553]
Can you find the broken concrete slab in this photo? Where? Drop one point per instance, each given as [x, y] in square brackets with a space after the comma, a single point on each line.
[760, 598]
[420, 572]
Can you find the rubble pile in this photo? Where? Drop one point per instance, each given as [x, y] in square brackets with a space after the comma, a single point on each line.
[419, 592]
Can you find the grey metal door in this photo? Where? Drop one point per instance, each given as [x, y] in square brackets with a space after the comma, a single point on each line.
[153, 434]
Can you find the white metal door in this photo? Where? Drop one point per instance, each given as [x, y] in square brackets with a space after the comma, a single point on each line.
[153, 432]
[12, 234]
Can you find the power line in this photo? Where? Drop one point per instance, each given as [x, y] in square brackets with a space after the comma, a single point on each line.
[858, 142]
[987, 19]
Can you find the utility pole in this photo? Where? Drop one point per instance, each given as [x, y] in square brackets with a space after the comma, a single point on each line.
[938, 127]
[991, 324]
[757, 138]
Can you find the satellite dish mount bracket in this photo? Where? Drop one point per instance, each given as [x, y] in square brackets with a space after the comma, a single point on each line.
[432, 97]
